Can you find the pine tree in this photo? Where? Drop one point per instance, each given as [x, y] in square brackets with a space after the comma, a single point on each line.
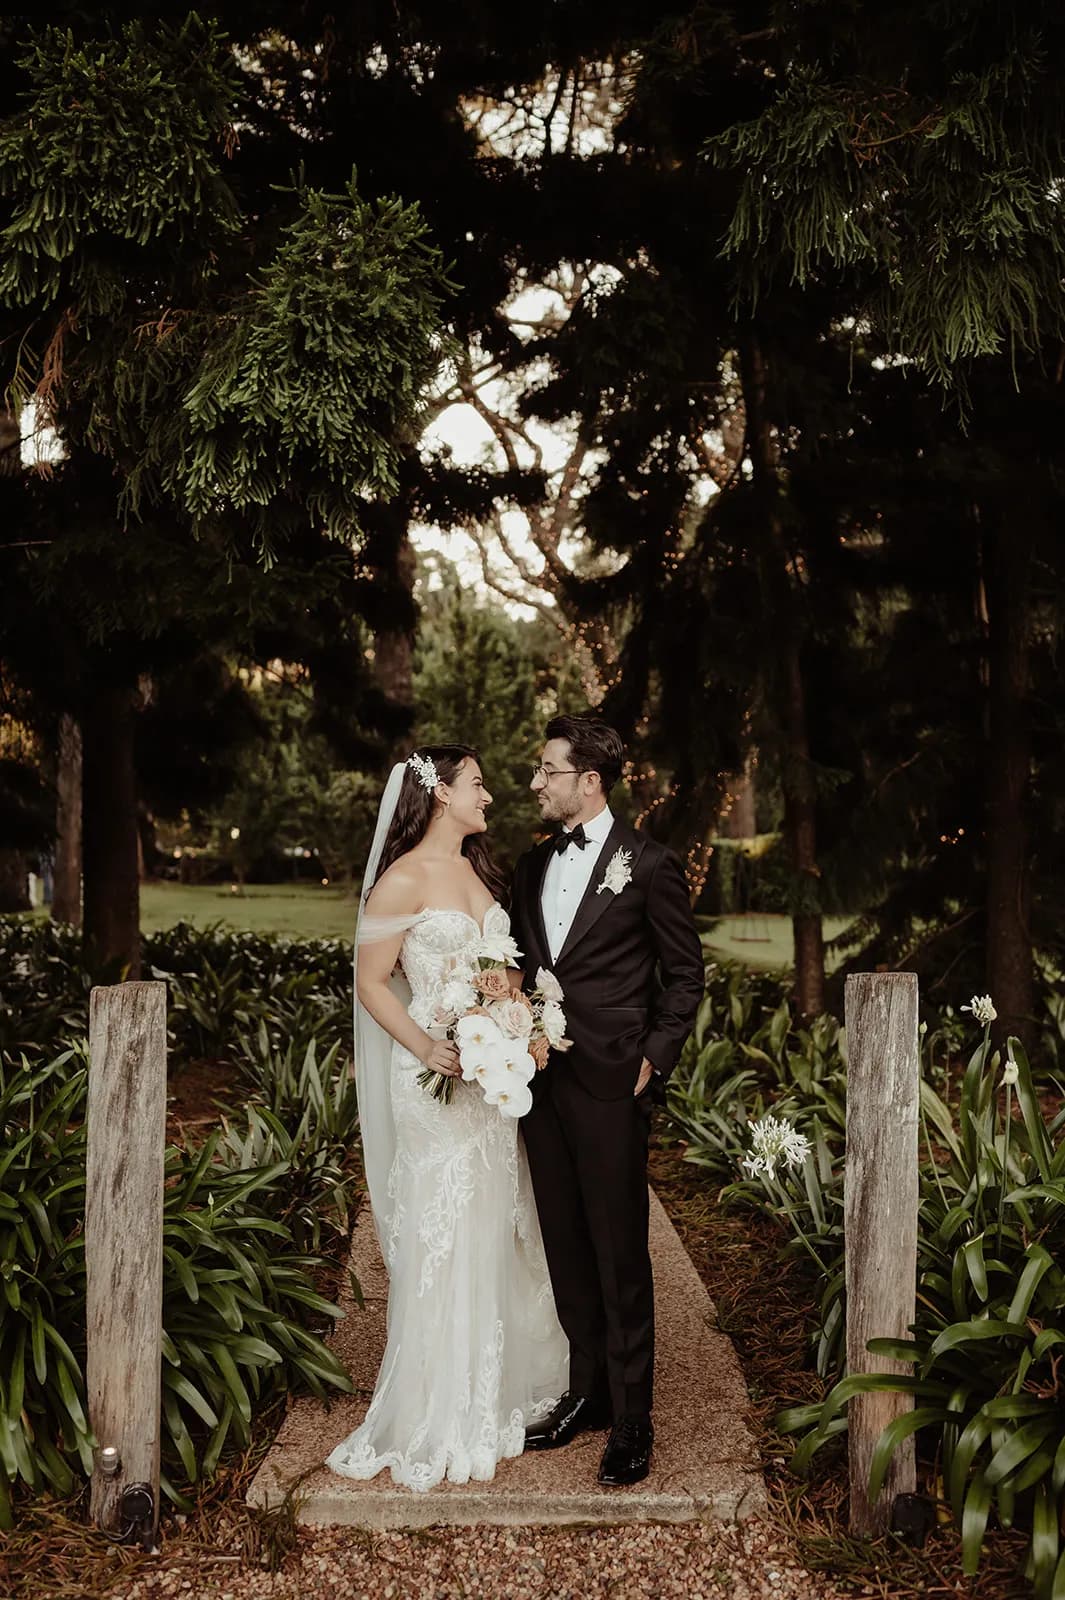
[234, 361]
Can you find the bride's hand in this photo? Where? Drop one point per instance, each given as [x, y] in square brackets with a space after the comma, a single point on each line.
[442, 1057]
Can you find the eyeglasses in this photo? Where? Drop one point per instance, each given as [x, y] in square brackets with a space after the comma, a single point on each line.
[547, 773]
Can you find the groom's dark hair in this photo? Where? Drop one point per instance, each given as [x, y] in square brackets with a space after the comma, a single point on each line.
[594, 746]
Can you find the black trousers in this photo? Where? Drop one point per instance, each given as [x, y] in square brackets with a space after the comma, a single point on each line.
[588, 1160]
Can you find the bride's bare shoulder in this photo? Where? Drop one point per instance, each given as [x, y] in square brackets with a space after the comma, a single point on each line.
[399, 891]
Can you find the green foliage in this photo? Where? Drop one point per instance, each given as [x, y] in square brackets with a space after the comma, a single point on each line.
[247, 371]
[745, 1055]
[120, 140]
[986, 1344]
[289, 793]
[44, 987]
[44, 1433]
[304, 1113]
[319, 375]
[239, 1305]
[263, 959]
[475, 682]
[245, 1217]
[931, 179]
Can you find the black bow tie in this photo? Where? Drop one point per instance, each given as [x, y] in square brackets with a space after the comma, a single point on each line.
[577, 837]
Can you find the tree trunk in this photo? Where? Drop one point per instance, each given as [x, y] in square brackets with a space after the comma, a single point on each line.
[800, 829]
[14, 881]
[741, 821]
[781, 582]
[109, 809]
[394, 653]
[1010, 964]
[66, 893]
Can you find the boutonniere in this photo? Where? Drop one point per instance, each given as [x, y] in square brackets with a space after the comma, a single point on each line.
[618, 873]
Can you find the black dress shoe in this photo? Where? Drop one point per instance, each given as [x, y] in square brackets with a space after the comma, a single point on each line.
[627, 1457]
[574, 1414]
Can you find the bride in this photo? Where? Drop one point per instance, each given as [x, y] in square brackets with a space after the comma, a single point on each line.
[474, 1346]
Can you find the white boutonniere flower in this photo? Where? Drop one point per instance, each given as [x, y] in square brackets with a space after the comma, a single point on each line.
[618, 872]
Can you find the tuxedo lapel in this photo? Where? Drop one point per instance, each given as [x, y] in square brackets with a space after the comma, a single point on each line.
[593, 904]
[537, 871]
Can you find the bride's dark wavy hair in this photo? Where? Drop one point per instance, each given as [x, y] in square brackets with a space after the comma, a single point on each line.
[414, 812]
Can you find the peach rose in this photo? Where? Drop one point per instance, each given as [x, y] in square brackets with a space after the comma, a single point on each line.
[540, 1051]
[493, 984]
[515, 1019]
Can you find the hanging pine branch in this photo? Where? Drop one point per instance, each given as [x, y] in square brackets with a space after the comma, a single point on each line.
[238, 368]
[916, 152]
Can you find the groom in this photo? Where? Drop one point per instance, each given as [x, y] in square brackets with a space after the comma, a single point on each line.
[606, 909]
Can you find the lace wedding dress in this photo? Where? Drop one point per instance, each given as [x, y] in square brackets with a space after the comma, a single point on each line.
[474, 1349]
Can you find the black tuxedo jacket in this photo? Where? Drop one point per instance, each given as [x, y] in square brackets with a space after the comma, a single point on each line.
[631, 966]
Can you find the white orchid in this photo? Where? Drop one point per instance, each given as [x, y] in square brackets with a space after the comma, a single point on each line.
[982, 1008]
[513, 1099]
[487, 1066]
[774, 1141]
[481, 1047]
[549, 986]
[477, 1031]
[520, 1064]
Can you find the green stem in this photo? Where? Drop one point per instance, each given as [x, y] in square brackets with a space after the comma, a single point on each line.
[984, 1051]
[796, 1225]
[932, 1160]
[1005, 1162]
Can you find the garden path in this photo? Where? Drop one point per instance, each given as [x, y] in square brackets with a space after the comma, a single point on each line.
[705, 1465]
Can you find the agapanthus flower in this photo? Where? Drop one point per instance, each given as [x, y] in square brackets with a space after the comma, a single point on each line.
[774, 1141]
[982, 1008]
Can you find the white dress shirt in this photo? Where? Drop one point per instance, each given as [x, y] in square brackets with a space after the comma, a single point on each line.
[568, 876]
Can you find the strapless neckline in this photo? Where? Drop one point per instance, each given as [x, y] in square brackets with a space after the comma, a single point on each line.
[457, 911]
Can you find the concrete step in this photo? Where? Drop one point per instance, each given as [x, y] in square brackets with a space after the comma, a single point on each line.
[705, 1465]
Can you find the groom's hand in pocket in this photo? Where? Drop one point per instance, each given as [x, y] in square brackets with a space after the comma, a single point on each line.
[646, 1074]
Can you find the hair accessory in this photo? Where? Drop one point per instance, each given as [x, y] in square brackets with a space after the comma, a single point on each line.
[424, 771]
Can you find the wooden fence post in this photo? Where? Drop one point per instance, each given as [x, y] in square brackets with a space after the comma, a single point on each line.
[880, 1219]
[124, 1241]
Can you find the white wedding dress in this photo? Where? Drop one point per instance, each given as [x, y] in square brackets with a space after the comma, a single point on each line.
[474, 1346]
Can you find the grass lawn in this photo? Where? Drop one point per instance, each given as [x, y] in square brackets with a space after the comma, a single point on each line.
[765, 941]
[300, 910]
[306, 910]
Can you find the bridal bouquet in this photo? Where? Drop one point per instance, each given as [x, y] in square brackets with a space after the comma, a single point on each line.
[503, 1036]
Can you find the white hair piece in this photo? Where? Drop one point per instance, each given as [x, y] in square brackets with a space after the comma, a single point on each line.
[424, 771]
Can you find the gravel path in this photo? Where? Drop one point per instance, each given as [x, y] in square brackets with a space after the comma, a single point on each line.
[662, 1562]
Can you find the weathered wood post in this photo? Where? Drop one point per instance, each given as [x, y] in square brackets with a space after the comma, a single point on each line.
[880, 1218]
[124, 1243]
